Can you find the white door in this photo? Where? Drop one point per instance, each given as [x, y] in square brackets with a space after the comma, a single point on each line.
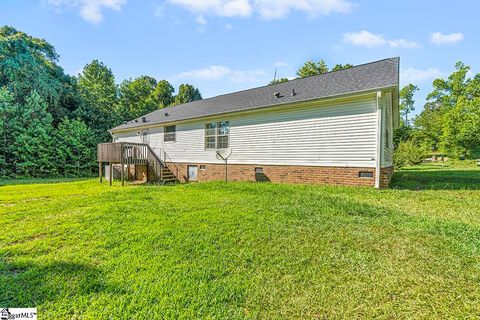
[192, 173]
[145, 136]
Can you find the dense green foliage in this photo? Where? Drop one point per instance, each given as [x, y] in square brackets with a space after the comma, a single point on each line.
[50, 122]
[187, 93]
[312, 68]
[450, 121]
[97, 88]
[83, 250]
[409, 153]
[279, 80]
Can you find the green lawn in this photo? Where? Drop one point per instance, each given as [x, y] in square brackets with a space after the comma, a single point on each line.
[82, 250]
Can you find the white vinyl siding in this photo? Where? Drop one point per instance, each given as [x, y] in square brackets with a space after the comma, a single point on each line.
[327, 134]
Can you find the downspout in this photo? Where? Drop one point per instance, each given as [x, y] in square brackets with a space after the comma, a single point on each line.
[379, 142]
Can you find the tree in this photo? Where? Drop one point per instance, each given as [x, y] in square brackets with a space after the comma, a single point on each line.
[450, 121]
[280, 80]
[461, 129]
[407, 103]
[447, 92]
[187, 93]
[136, 97]
[28, 64]
[429, 126]
[311, 68]
[97, 88]
[32, 143]
[163, 94]
[8, 130]
[339, 67]
[75, 144]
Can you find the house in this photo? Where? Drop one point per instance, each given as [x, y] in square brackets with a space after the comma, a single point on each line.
[334, 128]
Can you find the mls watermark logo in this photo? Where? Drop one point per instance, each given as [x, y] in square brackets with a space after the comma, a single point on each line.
[18, 313]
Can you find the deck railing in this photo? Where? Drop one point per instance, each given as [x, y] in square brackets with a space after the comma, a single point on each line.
[127, 153]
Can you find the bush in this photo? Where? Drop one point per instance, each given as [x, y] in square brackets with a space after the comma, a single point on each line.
[408, 154]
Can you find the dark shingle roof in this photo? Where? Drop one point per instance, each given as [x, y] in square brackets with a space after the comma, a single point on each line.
[365, 77]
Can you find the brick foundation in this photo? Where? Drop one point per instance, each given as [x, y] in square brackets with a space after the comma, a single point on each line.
[386, 175]
[285, 174]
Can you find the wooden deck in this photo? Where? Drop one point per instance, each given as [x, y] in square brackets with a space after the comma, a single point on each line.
[129, 153]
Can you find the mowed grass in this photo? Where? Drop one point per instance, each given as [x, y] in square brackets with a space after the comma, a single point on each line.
[82, 250]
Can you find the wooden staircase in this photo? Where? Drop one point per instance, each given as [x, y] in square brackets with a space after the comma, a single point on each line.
[168, 176]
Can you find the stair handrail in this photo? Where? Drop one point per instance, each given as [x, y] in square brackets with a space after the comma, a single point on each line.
[160, 161]
[165, 156]
[155, 154]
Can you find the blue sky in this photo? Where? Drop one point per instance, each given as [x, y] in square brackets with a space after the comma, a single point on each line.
[222, 46]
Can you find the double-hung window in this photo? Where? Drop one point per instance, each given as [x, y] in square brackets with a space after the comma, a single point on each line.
[217, 135]
[169, 133]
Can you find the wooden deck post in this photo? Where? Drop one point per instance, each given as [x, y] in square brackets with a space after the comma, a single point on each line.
[122, 167]
[122, 174]
[111, 172]
[100, 165]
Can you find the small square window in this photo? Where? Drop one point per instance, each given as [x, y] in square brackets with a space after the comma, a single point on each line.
[202, 167]
[258, 170]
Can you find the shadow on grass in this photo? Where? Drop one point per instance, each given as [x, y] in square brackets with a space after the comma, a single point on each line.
[11, 182]
[436, 179]
[31, 285]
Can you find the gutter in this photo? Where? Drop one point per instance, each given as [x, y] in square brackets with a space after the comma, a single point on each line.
[379, 142]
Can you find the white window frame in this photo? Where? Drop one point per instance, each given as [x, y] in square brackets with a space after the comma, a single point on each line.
[174, 134]
[214, 132]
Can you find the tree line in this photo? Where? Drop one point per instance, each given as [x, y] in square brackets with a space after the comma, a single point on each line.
[312, 68]
[51, 122]
[449, 123]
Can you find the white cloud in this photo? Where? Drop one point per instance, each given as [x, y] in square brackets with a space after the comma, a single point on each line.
[439, 38]
[274, 9]
[412, 75]
[280, 64]
[228, 27]
[402, 43]
[215, 73]
[368, 39]
[90, 10]
[224, 8]
[364, 38]
[159, 11]
[267, 9]
[201, 20]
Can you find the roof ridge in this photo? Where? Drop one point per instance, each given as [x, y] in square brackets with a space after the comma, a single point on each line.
[296, 79]
[224, 101]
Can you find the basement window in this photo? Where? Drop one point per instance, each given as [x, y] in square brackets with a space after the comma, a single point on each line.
[365, 174]
[169, 133]
[202, 167]
[258, 170]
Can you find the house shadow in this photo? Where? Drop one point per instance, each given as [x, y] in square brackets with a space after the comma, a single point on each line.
[32, 285]
[261, 177]
[437, 179]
